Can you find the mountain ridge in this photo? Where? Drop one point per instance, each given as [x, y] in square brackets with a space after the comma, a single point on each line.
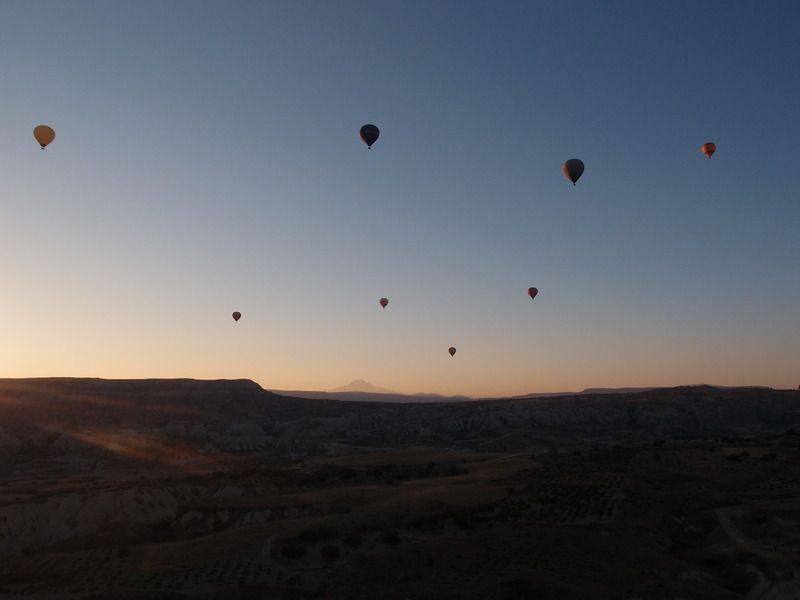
[240, 416]
[361, 386]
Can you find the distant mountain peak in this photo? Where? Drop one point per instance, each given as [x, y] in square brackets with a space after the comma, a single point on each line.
[359, 385]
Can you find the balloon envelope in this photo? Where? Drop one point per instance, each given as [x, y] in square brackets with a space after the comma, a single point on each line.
[44, 135]
[532, 292]
[708, 148]
[452, 351]
[383, 302]
[237, 315]
[573, 169]
[369, 134]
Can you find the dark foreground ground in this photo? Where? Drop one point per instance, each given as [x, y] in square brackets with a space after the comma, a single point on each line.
[116, 515]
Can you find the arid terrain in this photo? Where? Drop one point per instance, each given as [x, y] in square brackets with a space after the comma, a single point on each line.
[219, 489]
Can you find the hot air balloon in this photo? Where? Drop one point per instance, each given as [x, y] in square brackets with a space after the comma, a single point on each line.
[383, 302]
[44, 135]
[452, 351]
[236, 316]
[369, 133]
[532, 291]
[573, 169]
[708, 148]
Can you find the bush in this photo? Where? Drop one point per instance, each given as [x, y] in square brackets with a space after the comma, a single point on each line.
[293, 551]
[318, 534]
[425, 522]
[346, 473]
[353, 540]
[463, 521]
[390, 537]
[330, 552]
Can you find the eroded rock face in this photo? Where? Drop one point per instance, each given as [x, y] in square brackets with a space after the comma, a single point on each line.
[242, 437]
[9, 443]
[181, 421]
[65, 516]
[190, 519]
[30, 525]
[255, 517]
[69, 443]
[229, 491]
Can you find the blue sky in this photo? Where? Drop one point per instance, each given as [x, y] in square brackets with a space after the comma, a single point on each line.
[207, 160]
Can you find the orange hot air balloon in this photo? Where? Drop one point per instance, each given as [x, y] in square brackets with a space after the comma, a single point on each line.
[369, 134]
[236, 316]
[452, 351]
[384, 302]
[44, 135]
[708, 148]
[573, 169]
[532, 291]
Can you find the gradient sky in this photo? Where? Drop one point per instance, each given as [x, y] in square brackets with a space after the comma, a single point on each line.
[207, 160]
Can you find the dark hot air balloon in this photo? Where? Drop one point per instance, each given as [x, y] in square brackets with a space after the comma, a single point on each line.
[452, 351]
[236, 316]
[573, 169]
[369, 133]
[708, 148]
[383, 302]
[532, 291]
[44, 135]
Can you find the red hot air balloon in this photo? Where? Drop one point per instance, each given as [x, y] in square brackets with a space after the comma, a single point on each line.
[708, 148]
[384, 302]
[573, 169]
[532, 291]
[452, 351]
[369, 134]
[236, 316]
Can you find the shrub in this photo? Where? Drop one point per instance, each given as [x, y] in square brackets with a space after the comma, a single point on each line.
[330, 552]
[353, 540]
[317, 534]
[390, 537]
[463, 521]
[425, 522]
[346, 473]
[293, 551]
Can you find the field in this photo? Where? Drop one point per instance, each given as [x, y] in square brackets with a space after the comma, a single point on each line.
[708, 519]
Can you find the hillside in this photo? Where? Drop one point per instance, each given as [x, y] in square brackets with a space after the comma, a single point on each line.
[217, 489]
[240, 416]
